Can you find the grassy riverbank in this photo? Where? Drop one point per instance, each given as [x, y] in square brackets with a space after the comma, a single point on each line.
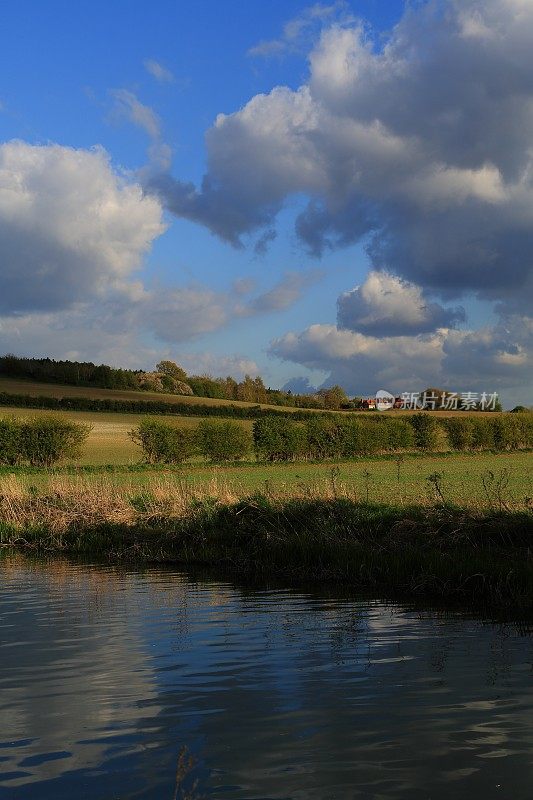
[463, 478]
[479, 553]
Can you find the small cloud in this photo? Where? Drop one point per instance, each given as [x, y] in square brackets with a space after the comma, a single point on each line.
[296, 30]
[261, 245]
[129, 107]
[158, 71]
[386, 305]
[285, 293]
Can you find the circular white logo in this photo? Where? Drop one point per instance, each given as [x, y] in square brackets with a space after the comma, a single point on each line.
[384, 400]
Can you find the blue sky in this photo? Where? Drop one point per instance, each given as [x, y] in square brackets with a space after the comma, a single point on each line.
[73, 70]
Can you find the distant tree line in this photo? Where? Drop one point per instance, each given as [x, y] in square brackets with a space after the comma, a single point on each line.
[168, 377]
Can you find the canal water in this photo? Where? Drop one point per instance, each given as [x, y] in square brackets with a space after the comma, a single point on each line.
[118, 684]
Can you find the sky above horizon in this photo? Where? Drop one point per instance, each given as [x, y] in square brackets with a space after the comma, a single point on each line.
[319, 193]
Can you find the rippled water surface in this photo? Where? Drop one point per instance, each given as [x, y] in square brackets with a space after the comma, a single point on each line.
[106, 674]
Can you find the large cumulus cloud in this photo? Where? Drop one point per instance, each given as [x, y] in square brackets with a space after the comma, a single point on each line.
[385, 305]
[421, 144]
[71, 228]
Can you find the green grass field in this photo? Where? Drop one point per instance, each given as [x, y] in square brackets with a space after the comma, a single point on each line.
[384, 479]
[479, 479]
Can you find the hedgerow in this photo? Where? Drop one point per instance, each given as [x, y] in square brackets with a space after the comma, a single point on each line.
[223, 441]
[40, 442]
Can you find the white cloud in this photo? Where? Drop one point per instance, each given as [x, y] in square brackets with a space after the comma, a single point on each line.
[71, 227]
[418, 144]
[158, 71]
[284, 294]
[73, 234]
[129, 107]
[385, 305]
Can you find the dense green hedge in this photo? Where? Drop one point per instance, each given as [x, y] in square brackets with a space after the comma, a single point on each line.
[223, 441]
[162, 443]
[502, 432]
[279, 439]
[282, 438]
[144, 407]
[330, 437]
[40, 442]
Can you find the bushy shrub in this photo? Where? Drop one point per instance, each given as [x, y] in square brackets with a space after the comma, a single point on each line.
[223, 441]
[46, 440]
[482, 433]
[460, 432]
[11, 448]
[162, 443]
[325, 437]
[279, 439]
[399, 434]
[426, 430]
[526, 423]
[507, 432]
[363, 437]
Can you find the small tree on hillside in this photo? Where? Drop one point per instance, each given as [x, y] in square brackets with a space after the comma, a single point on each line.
[172, 369]
[334, 397]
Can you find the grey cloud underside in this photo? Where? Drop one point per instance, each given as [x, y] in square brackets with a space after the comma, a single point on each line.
[299, 385]
[387, 306]
[71, 229]
[497, 358]
[420, 147]
[36, 274]
[210, 207]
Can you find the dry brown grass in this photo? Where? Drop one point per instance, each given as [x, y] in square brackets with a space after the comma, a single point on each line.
[63, 502]
[66, 502]
[72, 502]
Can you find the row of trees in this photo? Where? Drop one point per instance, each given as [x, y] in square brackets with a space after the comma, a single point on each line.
[281, 438]
[40, 442]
